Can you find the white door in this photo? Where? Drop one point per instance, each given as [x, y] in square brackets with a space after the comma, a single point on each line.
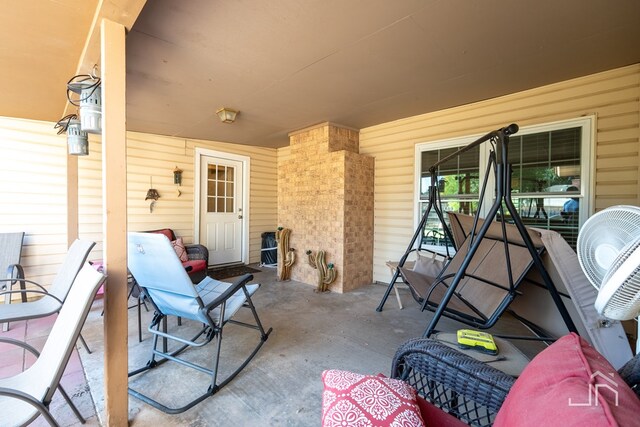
[221, 210]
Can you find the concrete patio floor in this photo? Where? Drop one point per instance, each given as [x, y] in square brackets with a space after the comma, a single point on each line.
[281, 385]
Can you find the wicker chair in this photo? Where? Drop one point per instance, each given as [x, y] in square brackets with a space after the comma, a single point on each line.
[473, 392]
[464, 387]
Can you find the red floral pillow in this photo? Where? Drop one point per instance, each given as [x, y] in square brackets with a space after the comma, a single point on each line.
[351, 399]
[181, 251]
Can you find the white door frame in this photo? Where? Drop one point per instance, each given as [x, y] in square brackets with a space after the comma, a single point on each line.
[246, 163]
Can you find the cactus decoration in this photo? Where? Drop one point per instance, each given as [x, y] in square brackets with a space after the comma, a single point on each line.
[287, 256]
[326, 272]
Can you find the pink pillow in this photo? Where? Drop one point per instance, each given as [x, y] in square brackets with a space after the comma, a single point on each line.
[351, 399]
[569, 384]
[181, 251]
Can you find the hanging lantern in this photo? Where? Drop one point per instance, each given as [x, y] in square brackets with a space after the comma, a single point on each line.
[77, 139]
[89, 101]
[177, 176]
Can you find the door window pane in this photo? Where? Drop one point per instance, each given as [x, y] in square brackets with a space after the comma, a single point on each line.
[220, 189]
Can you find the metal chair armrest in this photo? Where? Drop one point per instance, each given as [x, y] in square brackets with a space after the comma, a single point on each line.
[33, 291]
[41, 408]
[238, 284]
[18, 343]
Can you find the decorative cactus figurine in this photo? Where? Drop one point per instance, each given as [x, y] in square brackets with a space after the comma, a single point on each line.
[287, 256]
[326, 272]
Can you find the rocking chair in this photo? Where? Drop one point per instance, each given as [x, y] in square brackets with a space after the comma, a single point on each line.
[160, 274]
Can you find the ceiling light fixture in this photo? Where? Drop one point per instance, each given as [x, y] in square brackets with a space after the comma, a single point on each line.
[227, 115]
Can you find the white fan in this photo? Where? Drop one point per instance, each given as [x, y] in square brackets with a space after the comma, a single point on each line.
[609, 254]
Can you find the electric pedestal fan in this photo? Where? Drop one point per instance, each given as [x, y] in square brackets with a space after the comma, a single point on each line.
[609, 254]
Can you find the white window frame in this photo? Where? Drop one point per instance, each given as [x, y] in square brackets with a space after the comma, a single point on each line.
[587, 123]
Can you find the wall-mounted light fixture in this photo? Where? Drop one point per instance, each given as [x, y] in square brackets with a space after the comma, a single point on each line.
[177, 180]
[177, 176]
[77, 139]
[87, 86]
[227, 115]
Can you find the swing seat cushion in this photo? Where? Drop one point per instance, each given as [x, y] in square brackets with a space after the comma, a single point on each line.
[428, 265]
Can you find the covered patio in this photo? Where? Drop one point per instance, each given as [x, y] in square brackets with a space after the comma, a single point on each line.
[282, 385]
[338, 103]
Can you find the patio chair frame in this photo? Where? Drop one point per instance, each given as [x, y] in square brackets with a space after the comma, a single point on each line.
[38, 383]
[53, 298]
[212, 313]
[10, 252]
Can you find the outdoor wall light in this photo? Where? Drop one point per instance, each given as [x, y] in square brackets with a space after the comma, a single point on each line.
[227, 115]
[77, 139]
[177, 176]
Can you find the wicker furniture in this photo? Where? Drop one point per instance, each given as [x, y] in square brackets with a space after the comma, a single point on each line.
[556, 388]
[452, 381]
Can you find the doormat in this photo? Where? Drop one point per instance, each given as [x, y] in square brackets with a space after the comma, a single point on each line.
[233, 271]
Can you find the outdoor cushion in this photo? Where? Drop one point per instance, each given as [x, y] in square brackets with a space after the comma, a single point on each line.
[569, 384]
[368, 400]
[428, 265]
[181, 251]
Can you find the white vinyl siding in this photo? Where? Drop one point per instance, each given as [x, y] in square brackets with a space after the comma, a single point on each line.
[33, 190]
[151, 159]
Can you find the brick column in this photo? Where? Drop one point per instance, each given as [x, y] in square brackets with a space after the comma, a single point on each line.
[325, 196]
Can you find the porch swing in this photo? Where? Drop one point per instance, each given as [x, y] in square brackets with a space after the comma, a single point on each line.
[476, 285]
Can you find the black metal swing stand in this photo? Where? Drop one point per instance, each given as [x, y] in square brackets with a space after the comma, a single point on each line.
[462, 288]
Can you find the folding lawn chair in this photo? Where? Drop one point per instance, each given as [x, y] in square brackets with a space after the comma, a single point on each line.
[53, 298]
[10, 268]
[157, 269]
[25, 396]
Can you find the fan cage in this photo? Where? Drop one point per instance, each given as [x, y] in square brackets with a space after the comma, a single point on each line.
[619, 298]
[607, 232]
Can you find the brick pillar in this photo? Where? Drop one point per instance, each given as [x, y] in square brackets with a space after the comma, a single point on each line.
[325, 196]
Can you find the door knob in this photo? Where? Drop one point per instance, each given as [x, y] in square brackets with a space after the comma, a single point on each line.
[239, 216]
